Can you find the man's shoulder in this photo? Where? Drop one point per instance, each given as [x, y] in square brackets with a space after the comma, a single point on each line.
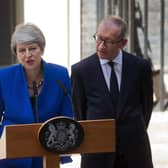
[135, 58]
[86, 62]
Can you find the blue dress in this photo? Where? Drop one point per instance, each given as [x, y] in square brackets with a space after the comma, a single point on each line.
[15, 101]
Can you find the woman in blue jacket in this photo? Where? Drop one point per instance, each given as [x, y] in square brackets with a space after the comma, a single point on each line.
[29, 90]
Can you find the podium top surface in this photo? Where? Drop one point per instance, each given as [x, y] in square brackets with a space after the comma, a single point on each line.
[21, 140]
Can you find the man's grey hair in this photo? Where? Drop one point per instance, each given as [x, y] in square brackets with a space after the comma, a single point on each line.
[119, 22]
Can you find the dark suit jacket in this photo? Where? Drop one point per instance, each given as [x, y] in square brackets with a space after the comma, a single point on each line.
[91, 100]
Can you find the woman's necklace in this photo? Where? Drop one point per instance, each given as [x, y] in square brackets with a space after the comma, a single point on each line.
[38, 84]
[34, 82]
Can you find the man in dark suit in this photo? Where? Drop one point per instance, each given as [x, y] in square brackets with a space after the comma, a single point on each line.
[131, 107]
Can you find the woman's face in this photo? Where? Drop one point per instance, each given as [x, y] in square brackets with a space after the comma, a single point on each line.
[29, 55]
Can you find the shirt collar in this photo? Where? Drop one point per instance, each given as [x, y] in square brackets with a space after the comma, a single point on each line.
[118, 59]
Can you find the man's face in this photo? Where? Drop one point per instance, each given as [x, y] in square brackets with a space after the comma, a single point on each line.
[108, 42]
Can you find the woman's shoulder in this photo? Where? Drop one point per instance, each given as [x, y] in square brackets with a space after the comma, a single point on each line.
[86, 62]
[9, 69]
[56, 67]
[55, 71]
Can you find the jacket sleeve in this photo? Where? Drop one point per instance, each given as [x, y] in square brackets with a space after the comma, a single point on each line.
[78, 94]
[66, 107]
[147, 92]
[1, 109]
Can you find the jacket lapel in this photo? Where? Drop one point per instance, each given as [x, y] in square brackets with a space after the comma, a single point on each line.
[25, 105]
[124, 84]
[100, 77]
[102, 82]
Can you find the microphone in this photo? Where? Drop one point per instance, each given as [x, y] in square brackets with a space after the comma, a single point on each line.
[64, 89]
[35, 90]
[2, 118]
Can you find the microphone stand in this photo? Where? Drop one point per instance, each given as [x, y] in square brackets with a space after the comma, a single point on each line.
[35, 89]
[64, 89]
[1, 119]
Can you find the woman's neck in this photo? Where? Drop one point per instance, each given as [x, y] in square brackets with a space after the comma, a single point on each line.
[35, 75]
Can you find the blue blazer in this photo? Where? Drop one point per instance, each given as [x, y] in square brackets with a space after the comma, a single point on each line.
[15, 101]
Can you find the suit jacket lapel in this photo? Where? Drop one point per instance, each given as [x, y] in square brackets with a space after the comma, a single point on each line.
[124, 84]
[102, 82]
[101, 79]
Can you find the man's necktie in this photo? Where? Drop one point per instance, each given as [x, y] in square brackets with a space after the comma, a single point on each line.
[114, 91]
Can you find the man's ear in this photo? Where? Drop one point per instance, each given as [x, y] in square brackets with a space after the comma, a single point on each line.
[124, 43]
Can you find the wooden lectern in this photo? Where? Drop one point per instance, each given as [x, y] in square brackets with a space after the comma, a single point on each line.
[20, 141]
